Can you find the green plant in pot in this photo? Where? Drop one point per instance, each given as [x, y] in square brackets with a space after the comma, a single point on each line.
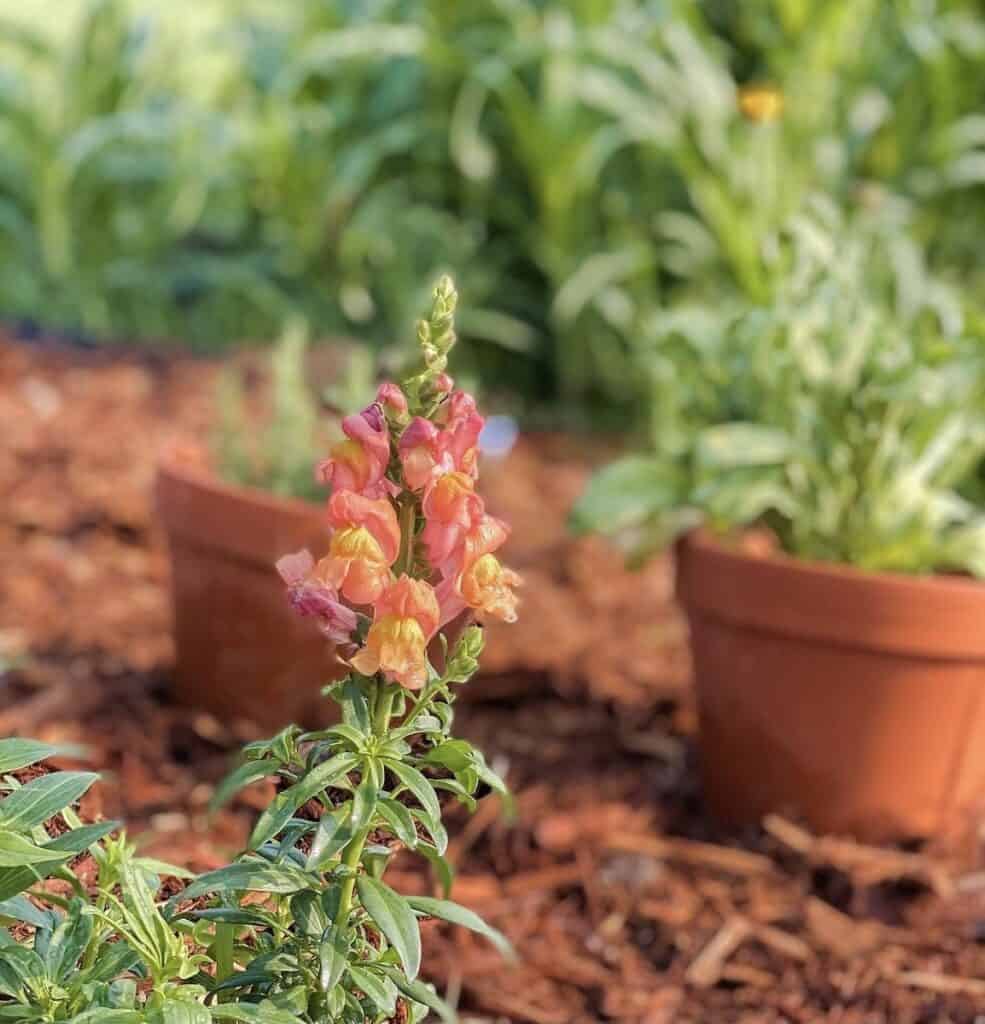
[231, 509]
[818, 457]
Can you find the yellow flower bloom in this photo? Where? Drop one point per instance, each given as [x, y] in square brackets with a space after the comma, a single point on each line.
[398, 647]
[355, 565]
[487, 586]
[760, 102]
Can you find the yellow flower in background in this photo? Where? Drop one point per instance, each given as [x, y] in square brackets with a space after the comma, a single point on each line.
[760, 102]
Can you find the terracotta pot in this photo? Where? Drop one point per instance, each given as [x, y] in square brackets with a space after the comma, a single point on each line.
[240, 651]
[854, 699]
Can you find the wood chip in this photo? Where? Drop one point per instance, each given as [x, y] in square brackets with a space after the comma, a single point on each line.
[869, 865]
[690, 851]
[944, 983]
[706, 969]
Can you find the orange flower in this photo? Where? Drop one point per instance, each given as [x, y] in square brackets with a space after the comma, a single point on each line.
[487, 586]
[451, 509]
[480, 582]
[360, 463]
[462, 427]
[365, 543]
[406, 617]
[420, 453]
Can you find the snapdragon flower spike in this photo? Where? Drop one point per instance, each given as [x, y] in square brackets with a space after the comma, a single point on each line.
[364, 544]
[406, 617]
[312, 597]
[360, 462]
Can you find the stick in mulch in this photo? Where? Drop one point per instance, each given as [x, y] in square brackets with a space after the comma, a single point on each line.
[706, 968]
[868, 864]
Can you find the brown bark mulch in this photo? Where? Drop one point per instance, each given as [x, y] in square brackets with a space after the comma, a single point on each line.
[625, 901]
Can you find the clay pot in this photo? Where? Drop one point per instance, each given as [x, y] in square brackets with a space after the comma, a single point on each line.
[854, 699]
[240, 650]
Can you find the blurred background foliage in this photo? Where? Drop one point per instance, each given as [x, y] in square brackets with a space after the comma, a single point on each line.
[201, 172]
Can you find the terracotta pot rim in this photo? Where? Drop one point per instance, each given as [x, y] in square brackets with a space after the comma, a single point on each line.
[247, 523]
[932, 616]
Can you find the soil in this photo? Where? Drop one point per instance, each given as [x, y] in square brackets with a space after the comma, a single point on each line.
[625, 901]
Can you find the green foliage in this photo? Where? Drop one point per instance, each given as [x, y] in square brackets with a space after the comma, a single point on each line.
[848, 416]
[331, 941]
[280, 458]
[581, 167]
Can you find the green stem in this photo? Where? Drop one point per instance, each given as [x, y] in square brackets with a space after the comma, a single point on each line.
[384, 705]
[350, 859]
[224, 938]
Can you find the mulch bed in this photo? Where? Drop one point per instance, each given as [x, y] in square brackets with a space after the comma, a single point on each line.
[626, 903]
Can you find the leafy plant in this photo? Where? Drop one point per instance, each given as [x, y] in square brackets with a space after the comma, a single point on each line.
[302, 926]
[279, 457]
[583, 167]
[846, 416]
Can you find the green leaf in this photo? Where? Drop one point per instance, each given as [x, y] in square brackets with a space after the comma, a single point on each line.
[380, 991]
[251, 1013]
[355, 708]
[363, 805]
[731, 445]
[434, 827]
[228, 915]
[16, 851]
[162, 868]
[103, 1015]
[625, 493]
[348, 733]
[18, 753]
[417, 784]
[16, 880]
[420, 993]
[176, 1011]
[398, 818]
[456, 914]
[395, 919]
[443, 870]
[20, 908]
[334, 833]
[19, 968]
[454, 755]
[282, 808]
[43, 798]
[248, 876]
[244, 775]
[333, 951]
[67, 943]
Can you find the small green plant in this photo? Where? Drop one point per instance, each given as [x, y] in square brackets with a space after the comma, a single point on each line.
[846, 416]
[303, 926]
[279, 455]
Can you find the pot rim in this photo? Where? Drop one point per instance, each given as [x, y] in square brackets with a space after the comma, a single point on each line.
[933, 616]
[245, 522]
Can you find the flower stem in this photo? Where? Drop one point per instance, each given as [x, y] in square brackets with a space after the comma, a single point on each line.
[408, 520]
[350, 859]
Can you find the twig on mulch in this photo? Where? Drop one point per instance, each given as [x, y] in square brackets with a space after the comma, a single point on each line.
[868, 865]
[706, 969]
[690, 851]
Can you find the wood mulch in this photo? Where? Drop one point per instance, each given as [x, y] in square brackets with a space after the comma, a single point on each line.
[625, 901]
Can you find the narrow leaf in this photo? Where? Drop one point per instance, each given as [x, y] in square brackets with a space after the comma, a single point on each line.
[42, 798]
[456, 914]
[395, 919]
